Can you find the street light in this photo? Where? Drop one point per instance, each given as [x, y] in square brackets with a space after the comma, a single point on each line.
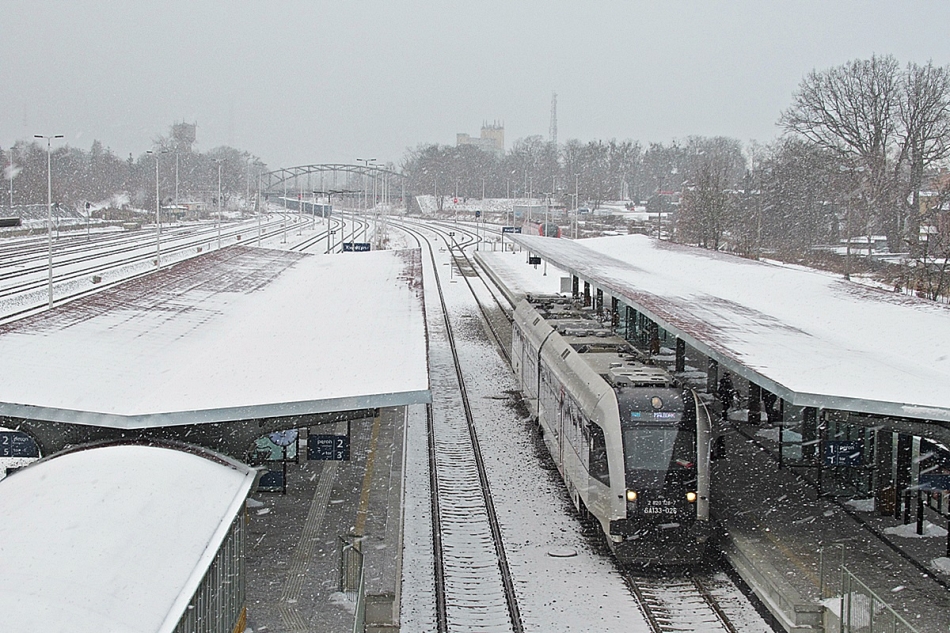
[158, 206]
[49, 206]
[366, 162]
[219, 203]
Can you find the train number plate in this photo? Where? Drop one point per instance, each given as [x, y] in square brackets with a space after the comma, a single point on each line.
[659, 506]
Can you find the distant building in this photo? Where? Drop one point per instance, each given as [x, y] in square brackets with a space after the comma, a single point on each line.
[492, 138]
[183, 136]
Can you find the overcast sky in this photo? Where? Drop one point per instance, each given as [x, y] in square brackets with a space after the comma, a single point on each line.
[302, 82]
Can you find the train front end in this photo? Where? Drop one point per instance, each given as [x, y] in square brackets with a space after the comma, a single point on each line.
[666, 466]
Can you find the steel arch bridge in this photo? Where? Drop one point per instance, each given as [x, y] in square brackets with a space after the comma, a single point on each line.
[300, 179]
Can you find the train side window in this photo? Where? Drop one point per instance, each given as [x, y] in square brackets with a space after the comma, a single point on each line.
[598, 455]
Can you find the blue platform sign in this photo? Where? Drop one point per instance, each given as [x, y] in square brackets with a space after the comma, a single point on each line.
[17, 444]
[328, 447]
[843, 452]
[355, 247]
[511, 229]
[934, 481]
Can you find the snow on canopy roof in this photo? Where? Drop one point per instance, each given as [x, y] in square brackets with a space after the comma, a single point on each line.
[238, 334]
[115, 538]
[813, 339]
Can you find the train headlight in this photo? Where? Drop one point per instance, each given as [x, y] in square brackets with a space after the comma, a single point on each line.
[631, 495]
[691, 497]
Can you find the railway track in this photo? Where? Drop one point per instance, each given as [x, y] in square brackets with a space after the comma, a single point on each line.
[679, 604]
[704, 601]
[474, 587]
[29, 295]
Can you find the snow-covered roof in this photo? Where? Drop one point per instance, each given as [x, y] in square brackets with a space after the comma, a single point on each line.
[810, 337]
[239, 334]
[115, 538]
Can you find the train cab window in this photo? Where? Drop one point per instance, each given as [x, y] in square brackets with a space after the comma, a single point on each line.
[598, 455]
[658, 448]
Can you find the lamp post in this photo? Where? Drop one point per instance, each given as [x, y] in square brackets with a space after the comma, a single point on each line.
[176, 181]
[158, 216]
[257, 205]
[11, 172]
[219, 204]
[576, 204]
[366, 162]
[49, 206]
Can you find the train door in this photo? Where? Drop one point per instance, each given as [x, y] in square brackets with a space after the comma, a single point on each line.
[562, 418]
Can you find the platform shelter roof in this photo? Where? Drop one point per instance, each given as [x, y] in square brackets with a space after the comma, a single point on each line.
[813, 338]
[115, 538]
[237, 334]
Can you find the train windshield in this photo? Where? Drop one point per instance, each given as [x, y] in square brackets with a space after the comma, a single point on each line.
[659, 436]
[659, 448]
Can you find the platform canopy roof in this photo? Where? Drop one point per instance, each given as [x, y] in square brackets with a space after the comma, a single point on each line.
[116, 538]
[242, 333]
[811, 337]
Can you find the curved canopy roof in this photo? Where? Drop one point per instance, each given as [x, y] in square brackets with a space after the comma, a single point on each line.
[813, 338]
[238, 334]
[85, 536]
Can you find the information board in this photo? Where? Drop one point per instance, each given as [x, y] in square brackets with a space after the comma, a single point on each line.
[934, 481]
[843, 452]
[17, 444]
[511, 229]
[328, 447]
[271, 480]
[355, 247]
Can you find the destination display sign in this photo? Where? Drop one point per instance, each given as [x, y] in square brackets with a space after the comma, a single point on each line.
[355, 247]
[511, 229]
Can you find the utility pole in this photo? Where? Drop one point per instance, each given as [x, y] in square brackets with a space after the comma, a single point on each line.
[158, 208]
[219, 205]
[49, 206]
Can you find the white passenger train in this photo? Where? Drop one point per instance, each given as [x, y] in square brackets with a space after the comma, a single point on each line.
[632, 446]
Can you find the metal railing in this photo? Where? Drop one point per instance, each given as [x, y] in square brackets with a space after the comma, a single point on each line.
[862, 611]
[352, 579]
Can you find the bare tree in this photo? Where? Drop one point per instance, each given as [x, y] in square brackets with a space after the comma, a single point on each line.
[924, 115]
[714, 169]
[852, 109]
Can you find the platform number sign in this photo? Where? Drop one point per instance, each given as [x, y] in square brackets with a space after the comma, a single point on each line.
[17, 444]
[328, 447]
[843, 453]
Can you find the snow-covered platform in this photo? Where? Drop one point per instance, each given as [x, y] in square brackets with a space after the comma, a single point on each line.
[243, 334]
[811, 338]
[121, 538]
